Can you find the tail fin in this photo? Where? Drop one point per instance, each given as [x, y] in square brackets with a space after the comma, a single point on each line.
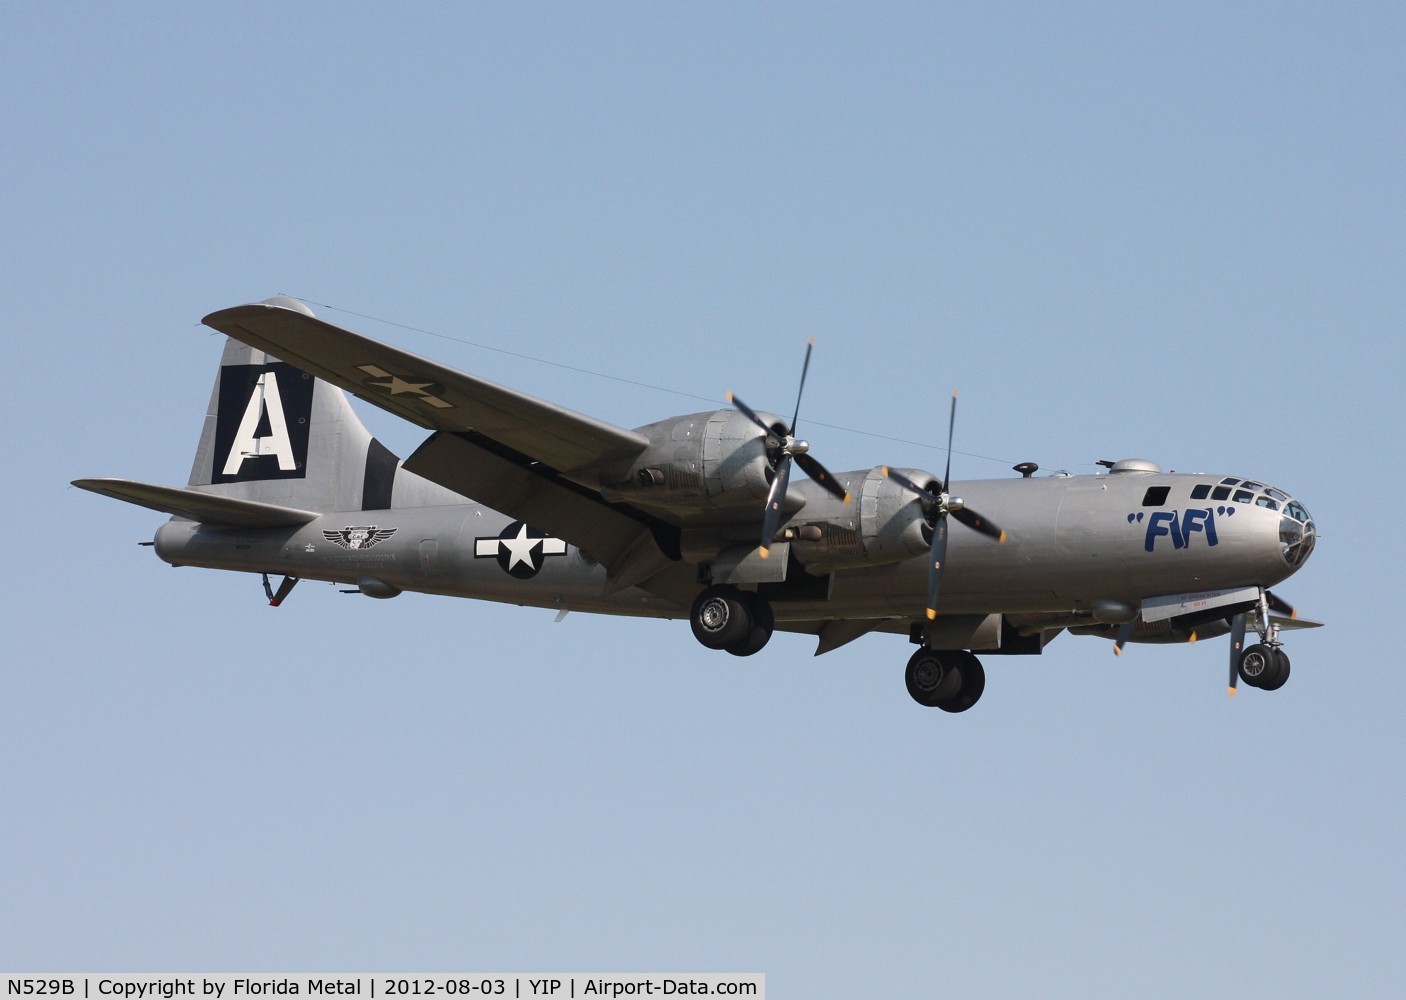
[276, 435]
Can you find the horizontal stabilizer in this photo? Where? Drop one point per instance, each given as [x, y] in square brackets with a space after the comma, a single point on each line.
[207, 508]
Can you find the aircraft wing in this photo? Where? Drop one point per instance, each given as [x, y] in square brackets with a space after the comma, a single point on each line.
[427, 393]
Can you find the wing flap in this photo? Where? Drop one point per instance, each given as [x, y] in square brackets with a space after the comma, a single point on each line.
[427, 393]
[207, 508]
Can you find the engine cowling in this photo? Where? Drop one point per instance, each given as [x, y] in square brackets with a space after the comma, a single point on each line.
[885, 524]
[701, 460]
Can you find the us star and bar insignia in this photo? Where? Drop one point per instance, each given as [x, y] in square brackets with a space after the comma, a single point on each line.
[520, 549]
[396, 385]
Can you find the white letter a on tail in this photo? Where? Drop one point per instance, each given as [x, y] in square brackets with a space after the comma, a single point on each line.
[264, 399]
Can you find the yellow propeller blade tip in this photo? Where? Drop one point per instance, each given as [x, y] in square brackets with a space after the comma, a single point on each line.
[766, 553]
[1002, 539]
[1117, 651]
[846, 496]
[729, 397]
[1232, 692]
[1192, 637]
[884, 469]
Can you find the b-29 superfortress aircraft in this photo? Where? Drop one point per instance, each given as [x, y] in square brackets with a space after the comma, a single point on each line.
[697, 517]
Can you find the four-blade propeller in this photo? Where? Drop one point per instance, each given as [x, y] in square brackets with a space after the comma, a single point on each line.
[936, 509]
[781, 448]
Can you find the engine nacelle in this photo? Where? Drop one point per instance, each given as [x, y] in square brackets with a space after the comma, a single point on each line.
[885, 524]
[702, 460]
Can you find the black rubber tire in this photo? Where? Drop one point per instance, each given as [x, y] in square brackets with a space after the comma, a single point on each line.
[763, 622]
[973, 681]
[1257, 664]
[721, 617]
[930, 678]
[1281, 673]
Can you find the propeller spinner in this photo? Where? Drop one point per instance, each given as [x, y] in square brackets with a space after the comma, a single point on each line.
[781, 450]
[936, 509]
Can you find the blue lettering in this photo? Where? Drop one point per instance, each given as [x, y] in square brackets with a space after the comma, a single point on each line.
[1163, 522]
[1199, 520]
[1180, 529]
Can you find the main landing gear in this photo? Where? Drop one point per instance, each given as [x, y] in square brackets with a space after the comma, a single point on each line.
[951, 680]
[732, 619]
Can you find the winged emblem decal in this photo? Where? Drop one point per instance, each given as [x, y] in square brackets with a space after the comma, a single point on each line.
[359, 537]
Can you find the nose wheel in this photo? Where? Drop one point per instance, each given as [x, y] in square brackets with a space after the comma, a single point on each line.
[1264, 667]
[1263, 664]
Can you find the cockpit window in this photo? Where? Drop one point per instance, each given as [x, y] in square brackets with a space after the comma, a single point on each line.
[1297, 512]
[1200, 491]
[1279, 495]
[1221, 493]
[1155, 496]
[1266, 503]
[1229, 481]
[1252, 486]
[1243, 496]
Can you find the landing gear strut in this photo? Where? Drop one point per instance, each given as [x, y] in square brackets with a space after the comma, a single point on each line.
[951, 680]
[734, 620]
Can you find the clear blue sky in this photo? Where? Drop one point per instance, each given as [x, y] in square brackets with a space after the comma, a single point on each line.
[1161, 231]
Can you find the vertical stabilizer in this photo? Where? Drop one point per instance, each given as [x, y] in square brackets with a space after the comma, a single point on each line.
[275, 434]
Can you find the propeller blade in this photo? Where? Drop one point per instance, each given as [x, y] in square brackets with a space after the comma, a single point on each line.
[1237, 643]
[821, 475]
[976, 522]
[1280, 605]
[1125, 632]
[751, 414]
[772, 519]
[951, 428]
[805, 367]
[937, 559]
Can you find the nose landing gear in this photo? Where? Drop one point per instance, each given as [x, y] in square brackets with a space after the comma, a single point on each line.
[1264, 664]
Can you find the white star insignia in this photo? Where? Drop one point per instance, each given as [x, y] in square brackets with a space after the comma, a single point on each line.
[520, 548]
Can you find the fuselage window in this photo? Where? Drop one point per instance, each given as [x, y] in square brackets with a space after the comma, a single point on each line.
[1243, 496]
[1200, 491]
[1155, 496]
[1221, 493]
